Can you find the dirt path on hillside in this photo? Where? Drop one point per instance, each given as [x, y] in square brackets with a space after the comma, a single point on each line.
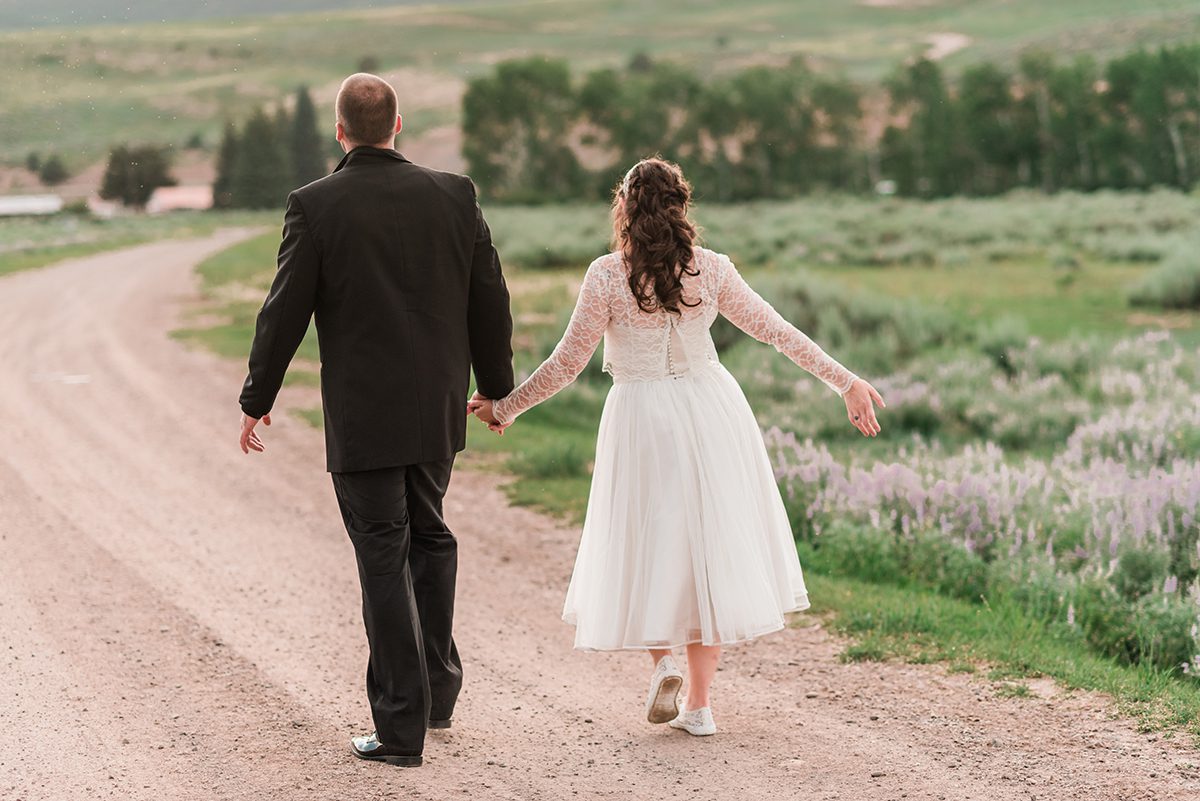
[179, 621]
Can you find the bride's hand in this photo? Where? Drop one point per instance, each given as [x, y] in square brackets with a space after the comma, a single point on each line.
[860, 408]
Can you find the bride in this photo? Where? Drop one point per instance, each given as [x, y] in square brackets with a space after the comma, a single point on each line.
[686, 542]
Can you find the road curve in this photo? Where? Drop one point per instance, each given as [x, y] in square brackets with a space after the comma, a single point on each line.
[180, 621]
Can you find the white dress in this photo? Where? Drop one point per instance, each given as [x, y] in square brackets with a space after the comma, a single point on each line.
[686, 538]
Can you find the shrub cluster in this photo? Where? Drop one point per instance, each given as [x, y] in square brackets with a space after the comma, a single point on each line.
[1127, 617]
[887, 232]
[1174, 283]
[1091, 519]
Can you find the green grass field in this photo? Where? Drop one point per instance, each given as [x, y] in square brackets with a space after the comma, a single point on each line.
[1089, 299]
[77, 90]
[71, 12]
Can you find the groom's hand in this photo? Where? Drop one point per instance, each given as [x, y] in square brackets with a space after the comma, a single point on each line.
[249, 439]
[481, 407]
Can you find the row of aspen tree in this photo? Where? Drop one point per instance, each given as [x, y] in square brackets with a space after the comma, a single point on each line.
[533, 132]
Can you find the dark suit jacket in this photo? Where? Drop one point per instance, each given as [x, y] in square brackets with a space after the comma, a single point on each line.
[397, 264]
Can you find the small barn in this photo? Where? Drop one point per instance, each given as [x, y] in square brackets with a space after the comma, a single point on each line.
[180, 198]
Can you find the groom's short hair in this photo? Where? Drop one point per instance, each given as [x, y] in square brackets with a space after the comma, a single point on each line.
[367, 108]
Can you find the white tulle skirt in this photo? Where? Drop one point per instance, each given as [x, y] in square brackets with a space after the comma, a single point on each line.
[686, 538]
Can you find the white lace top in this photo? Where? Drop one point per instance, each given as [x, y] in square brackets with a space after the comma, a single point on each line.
[640, 346]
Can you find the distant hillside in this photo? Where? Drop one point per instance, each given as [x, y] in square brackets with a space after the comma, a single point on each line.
[78, 90]
[37, 13]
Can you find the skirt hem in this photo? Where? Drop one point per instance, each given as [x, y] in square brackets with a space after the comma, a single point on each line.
[799, 607]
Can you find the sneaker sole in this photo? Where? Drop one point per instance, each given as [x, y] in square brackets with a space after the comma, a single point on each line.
[665, 705]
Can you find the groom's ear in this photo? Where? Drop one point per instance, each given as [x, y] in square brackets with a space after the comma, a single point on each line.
[399, 123]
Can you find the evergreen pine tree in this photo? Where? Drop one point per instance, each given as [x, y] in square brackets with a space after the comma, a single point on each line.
[261, 179]
[283, 125]
[226, 164]
[308, 159]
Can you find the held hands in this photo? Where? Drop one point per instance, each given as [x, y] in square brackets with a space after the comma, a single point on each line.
[249, 439]
[860, 408]
[481, 407]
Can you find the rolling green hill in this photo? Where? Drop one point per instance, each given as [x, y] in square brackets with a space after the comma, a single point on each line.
[37, 13]
[79, 89]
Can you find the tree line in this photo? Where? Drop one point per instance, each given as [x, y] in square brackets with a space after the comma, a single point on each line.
[272, 154]
[533, 132]
[256, 166]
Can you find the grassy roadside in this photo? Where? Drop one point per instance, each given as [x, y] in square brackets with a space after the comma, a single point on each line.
[234, 282]
[997, 641]
[29, 243]
[549, 452]
[40, 257]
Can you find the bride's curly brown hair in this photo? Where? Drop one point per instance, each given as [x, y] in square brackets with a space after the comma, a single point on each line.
[652, 231]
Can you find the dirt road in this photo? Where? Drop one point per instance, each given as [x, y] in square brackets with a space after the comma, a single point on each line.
[180, 621]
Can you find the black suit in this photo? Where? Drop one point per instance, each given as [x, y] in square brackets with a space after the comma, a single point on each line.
[396, 264]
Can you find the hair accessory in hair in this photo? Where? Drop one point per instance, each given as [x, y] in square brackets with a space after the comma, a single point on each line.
[628, 175]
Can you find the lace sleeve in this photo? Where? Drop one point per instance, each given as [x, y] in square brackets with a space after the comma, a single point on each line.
[746, 309]
[572, 353]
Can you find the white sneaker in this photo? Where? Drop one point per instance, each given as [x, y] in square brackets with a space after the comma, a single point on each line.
[662, 705]
[696, 721]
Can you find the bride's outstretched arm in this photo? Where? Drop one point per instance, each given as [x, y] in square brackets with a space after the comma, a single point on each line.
[572, 353]
[746, 309]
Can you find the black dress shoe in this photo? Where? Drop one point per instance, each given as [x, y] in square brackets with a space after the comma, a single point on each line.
[440, 724]
[369, 747]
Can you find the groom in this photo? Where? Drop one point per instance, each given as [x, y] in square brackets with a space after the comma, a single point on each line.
[397, 265]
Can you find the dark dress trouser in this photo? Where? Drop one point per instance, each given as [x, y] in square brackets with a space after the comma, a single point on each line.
[407, 561]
